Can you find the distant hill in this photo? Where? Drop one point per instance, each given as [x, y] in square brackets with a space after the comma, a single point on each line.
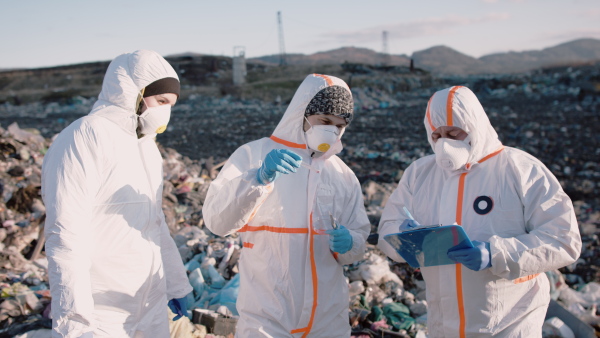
[578, 51]
[445, 60]
[337, 56]
[442, 59]
[212, 75]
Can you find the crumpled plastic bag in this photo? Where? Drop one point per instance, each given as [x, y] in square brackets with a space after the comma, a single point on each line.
[398, 316]
[227, 296]
[588, 295]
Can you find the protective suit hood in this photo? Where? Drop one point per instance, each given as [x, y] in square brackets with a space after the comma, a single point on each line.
[125, 77]
[458, 106]
[290, 130]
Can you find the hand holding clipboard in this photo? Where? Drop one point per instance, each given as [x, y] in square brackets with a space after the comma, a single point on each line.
[428, 245]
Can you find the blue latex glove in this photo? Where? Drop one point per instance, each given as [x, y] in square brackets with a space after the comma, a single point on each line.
[178, 306]
[340, 240]
[476, 259]
[276, 162]
[408, 224]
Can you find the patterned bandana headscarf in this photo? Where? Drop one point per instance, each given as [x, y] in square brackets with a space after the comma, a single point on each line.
[333, 100]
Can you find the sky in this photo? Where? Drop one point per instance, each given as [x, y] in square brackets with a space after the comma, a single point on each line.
[40, 33]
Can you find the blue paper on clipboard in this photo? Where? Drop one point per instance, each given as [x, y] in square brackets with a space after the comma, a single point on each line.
[428, 246]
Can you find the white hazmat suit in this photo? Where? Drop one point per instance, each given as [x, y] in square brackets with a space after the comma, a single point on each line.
[291, 284]
[503, 196]
[112, 262]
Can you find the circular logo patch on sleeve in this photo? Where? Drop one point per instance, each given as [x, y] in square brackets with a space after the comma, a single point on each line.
[483, 205]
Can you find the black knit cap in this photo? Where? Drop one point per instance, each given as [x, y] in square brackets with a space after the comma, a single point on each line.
[163, 86]
[333, 100]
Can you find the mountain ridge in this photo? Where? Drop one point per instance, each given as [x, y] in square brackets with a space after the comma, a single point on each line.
[442, 59]
[439, 60]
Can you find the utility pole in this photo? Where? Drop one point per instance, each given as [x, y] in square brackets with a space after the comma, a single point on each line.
[239, 65]
[385, 51]
[282, 61]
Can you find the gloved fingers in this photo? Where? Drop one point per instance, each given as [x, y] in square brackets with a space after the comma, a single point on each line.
[175, 307]
[182, 304]
[291, 154]
[338, 244]
[339, 234]
[475, 266]
[333, 232]
[410, 223]
[275, 166]
[276, 162]
[461, 248]
[459, 254]
[472, 261]
[341, 231]
[455, 258]
[284, 155]
[284, 168]
[340, 249]
[289, 160]
[466, 259]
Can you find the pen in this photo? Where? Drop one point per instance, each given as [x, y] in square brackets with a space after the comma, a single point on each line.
[408, 213]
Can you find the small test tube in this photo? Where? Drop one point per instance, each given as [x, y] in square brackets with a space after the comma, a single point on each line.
[334, 223]
[310, 167]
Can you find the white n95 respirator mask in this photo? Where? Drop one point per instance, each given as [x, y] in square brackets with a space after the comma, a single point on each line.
[154, 120]
[452, 154]
[322, 137]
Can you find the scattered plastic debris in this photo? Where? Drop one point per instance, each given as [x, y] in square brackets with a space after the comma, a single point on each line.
[553, 115]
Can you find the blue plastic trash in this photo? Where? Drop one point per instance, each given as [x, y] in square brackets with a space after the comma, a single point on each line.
[197, 282]
[228, 295]
[216, 280]
[192, 265]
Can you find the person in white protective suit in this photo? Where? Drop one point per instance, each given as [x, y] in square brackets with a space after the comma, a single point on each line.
[279, 193]
[513, 209]
[112, 263]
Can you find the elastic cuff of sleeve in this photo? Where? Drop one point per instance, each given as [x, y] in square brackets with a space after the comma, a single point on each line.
[180, 293]
[354, 249]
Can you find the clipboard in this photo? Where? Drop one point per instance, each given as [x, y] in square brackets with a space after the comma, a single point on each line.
[428, 246]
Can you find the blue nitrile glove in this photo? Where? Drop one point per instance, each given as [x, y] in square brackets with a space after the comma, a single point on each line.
[476, 259]
[276, 162]
[178, 306]
[408, 224]
[340, 240]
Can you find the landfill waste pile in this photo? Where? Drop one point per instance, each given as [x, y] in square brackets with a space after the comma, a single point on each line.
[552, 114]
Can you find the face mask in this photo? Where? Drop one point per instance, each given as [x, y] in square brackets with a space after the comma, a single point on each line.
[322, 137]
[154, 120]
[451, 154]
